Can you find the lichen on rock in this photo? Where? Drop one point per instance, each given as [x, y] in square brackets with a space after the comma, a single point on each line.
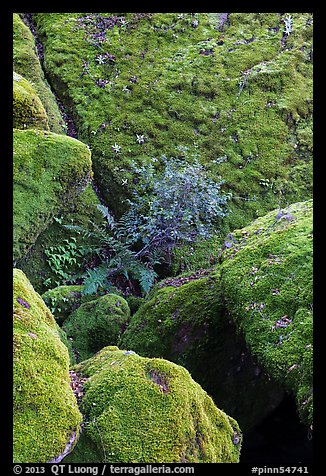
[142, 410]
[46, 413]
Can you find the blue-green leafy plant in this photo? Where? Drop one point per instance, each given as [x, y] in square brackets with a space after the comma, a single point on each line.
[175, 203]
[178, 205]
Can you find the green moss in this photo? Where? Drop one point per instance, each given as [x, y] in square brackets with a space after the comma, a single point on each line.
[134, 303]
[26, 63]
[203, 254]
[28, 111]
[67, 342]
[50, 171]
[175, 321]
[184, 321]
[63, 300]
[232, 91]
[97, 323]
[45, 409]
[140, 410]
[266, 279]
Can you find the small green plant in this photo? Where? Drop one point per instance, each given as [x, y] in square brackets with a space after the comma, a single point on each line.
[61, 259]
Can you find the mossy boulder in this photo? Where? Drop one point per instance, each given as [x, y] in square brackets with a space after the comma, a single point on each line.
[235, 89]
[64, 300]
[50, 170]
[67, 342]
[141, 410]
[46, 413]
[266, 277]
[27, 64]
[96, 324]
[28, 110]
[184, 321]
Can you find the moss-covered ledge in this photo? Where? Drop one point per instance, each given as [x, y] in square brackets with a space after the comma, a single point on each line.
[26, 63]
[50, 171]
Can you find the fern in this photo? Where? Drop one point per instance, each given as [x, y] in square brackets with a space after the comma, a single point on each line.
[144, 275]
[107, 215]
[94, 279]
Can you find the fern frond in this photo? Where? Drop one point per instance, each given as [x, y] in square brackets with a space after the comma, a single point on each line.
[107, 215]
[95, 278]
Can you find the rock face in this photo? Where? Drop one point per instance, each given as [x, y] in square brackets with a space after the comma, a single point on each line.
[46, 413]
[141, 410]
[266, 277]
[184, 321]
[96, 324]
[50, 170]
[28, 110]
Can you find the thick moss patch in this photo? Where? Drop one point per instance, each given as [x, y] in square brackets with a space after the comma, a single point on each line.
[50, 170]
[184, 321]
[45, 409]
[28, 111]
[26, 63]
[140, 410]
[235, 89]
[266, 278]
[96, 324]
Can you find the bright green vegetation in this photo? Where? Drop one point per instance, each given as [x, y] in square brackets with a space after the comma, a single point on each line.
[37, 265]
[264, 285]
[28, 111]
[176, 321]
[50, 170]
[266, 277]
[141, 410]
[236, 91]
[96, 324]
[27, 64]
[45, 409]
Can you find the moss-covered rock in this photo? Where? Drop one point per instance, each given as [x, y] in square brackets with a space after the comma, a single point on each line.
[28, 110]
[96, 324]
[46, 413]
[26, 63]
[184, 321]
[236, 89]
[141, 410]
[266, 277]
[50, 170]
[63, 300]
